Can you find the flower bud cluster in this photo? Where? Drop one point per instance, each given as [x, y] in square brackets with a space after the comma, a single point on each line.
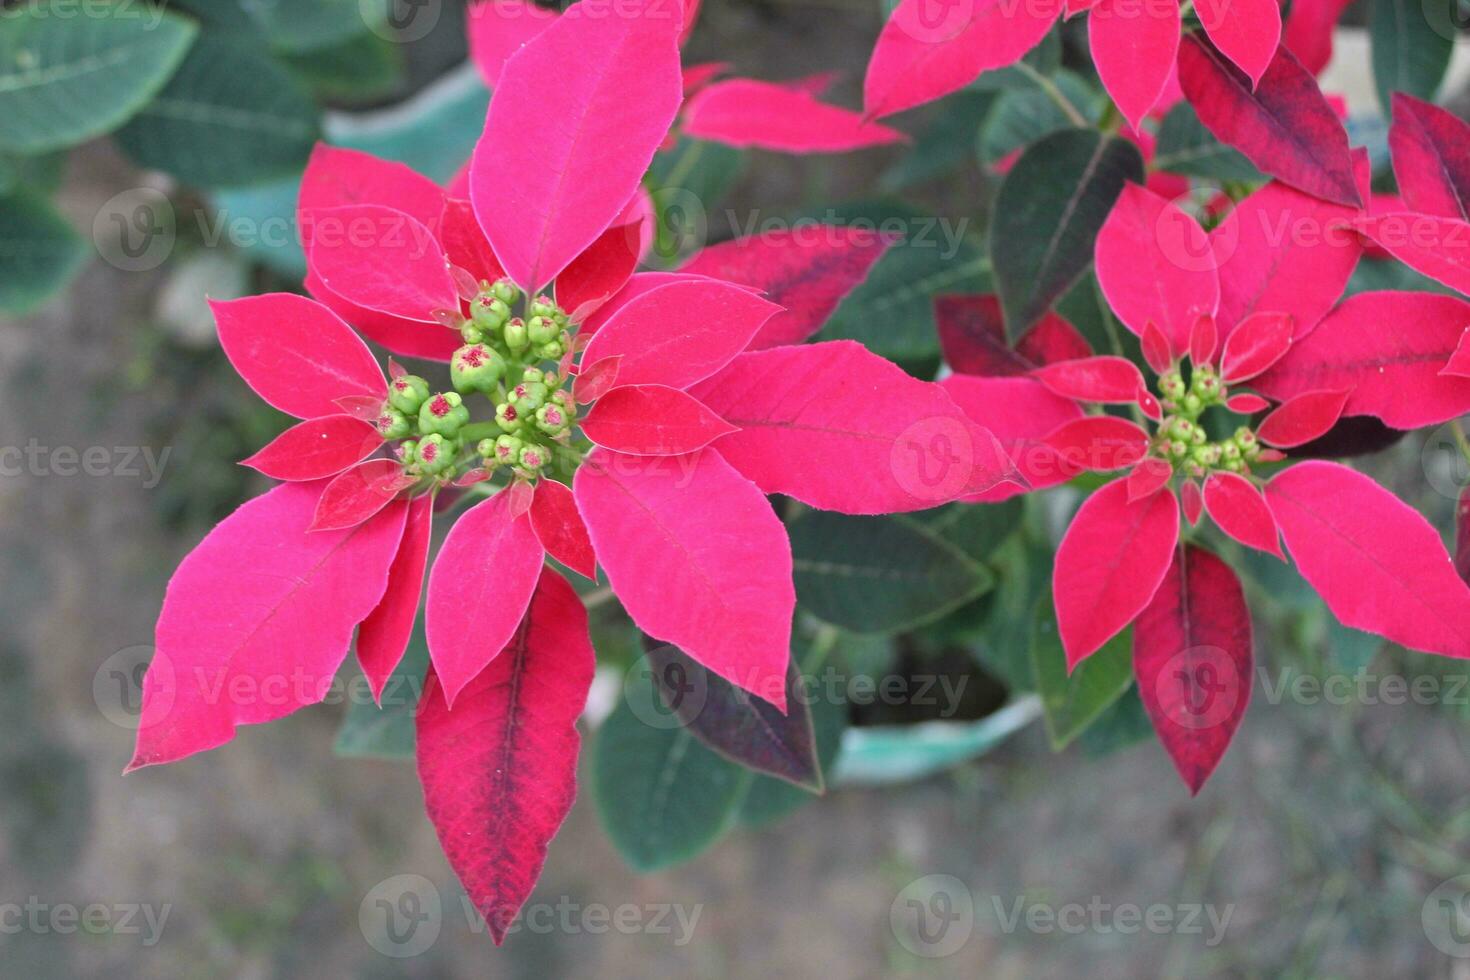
[1183, 441]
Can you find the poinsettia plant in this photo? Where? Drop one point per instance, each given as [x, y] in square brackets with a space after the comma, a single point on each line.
[632, 423]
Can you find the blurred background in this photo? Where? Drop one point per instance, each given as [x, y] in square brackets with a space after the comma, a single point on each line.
[1331, 842]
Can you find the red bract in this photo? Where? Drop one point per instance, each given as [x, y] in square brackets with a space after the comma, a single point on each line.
[639, 428]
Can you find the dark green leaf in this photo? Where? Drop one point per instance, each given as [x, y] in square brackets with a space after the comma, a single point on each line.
[1071, 704]
[1045, 59]
[360, 69]
[386, 732]
[945, 144]
[1125, 723]
[67, 79]
[39, 252]
[1025, 113]
[1047, 216]
[1411, 52]
[291, 25]
[879, 574]
[770, 799]
[975, 529]
[1023, 570]
[687, 183]
[1186, 147]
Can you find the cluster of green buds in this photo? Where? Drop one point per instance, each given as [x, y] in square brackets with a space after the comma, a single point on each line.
[543, 334]
[1183, 441]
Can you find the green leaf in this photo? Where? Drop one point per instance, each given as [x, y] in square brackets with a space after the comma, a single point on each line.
[1186, 147]
[67, 79]
[1026, 113]
[975, 529]
[1352, 650]
[880, 574]
[232, 116]
[1124, 724]
[1410, 53]
[945, 144]
[360, 69]
[769, 798]
[1070, 704]
[662, 796]
[39, 252]
[1048, 214]
[387, 732]
[291, 25]
[1023, 571]
[686, 183]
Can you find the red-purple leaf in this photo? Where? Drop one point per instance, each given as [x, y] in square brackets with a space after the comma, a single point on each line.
[1099, 443]
[499, 771]
[1237, 506]
[381, 259]
[1192, 656]
[497, 29]
[599, 272]
[1154, 264]
[336, 177]
[972, 335]
[1148, 477]
[1245, 31]
[557, 163]
[296, 354]
[1389, 348]
[680, 333]
[1256, 343]
[698, 559]
[465, 244]
[1379, 566]
[383, 636]
[1104, 378]
[479, 587]
[1303, 417]
[560, 530]
[743, 112]
[1109, 564]
[1283, 124]
[357, 494]
[257, 620]
[806, 269]
[1133, 46]
[1437, 247]
[839, 428]
[316, 448]
[1019, 412]
[926, 51]
[1282, 251]
[1431, 158]
[652, 420]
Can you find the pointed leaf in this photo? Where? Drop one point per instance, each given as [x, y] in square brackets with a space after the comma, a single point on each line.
[1134, 47]
[257, 619]
[1071, 700]
[1245, 31]
[1109, 564]
[498, 29]
[743, 112]
[1105, 379]
[1191, 501]
[1019, 412]
[1204, 340]
[1379, 566]
[499, 771]
[1256, 343]
[384, 634]
[411, 338]
[381, 259]
[359, 493]
[972, 335]
[557, 163]
[652, 420]
[1431, 158]
[1437, 247]
[1302, 418]
[1458, 365]
[1412, 46]
[597, 380]
[1148, 477]
[465, 244]
[1309, 30]
[698, 559]
[1193, 658]
[1247, 404]
[1099, 443]
[337, 177]
[599, 272]
[559, 528]
[316, 448]
[296, 354]
[1234, 503]
[479, 587]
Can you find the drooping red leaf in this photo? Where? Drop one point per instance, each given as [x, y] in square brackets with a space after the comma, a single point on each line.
[1431, 158]
[1438, 247]
[1204, 339]
[384, 634]
[698, 559]
[1105, 379]
[337, 177]
[594, 276]
[1192, 656]
[1154, 264]
[465, 244]
[1282, 251]
[1235, 504]
[557, 163]
[807, 269]
[257, 619]
[1109, 564]
[479, 587]
[499, 771]
[1256, 343]
[381, 259]
[1245, 31]
[1133, 46]
[680, 333]
[1376, 562]
[743, 112]
[930, 49]
[497, 29]
[1303, 417]
[1020, 413]
[316, 448]
[1099, 443]
[1283, 124]
[973, 338]
[652, 420]
[295, 354]
[357, 494]
[559, 528]
[839, 428]
[1308, 31]
[1389, 348]
[1148, 477]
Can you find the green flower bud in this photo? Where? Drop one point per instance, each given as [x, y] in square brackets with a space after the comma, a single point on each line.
[444, 414]
[508, 418]
[534, 374]
[552, 419]
[516, 337]
[506, 291]
[472, 334]
[1205, 455]
[1197, 437]
[528, 396]
[407, 452]
[475, 367]
[533, 458]
[1178, 449]
[1230, 452]
[507, 450]
[543, 306]
[436, 454]
[550, 351]
[1245, 438]
[489, 313]
[1172, 385]
[563, 398]
[393, 424]
[407, 393]
[486, 449]
[542, 329]
[1193, 404]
